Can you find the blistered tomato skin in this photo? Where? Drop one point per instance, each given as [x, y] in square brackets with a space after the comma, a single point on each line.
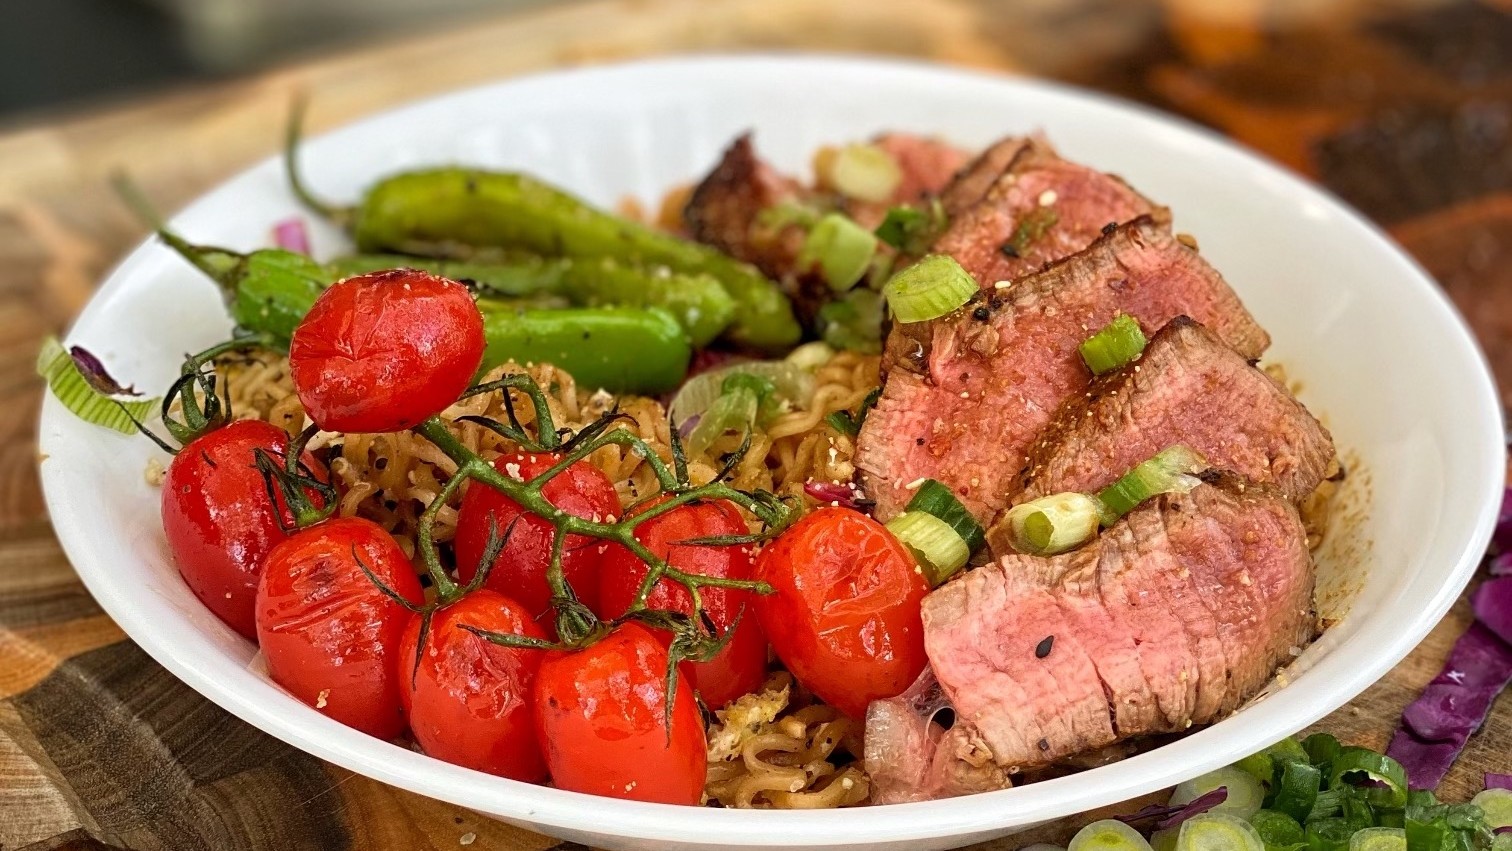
[332, 637]
[601, 719]
[218, 518]
[519, 572]
[740, 667]
[844, 615]
[384, 351]
[469, 699]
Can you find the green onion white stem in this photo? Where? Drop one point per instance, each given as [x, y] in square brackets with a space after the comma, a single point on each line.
[930, 288]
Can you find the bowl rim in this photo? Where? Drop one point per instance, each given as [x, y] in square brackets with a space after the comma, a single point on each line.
[999, 811]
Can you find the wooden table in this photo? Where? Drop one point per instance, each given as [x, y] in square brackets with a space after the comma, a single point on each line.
[1406, 113]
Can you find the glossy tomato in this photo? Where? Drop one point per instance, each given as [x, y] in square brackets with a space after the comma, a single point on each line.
[601, 719]
[844, 615]
[384, 351]
[469, 699]
[332, 637]
[740, 667]
[519, 572]
[218, 519]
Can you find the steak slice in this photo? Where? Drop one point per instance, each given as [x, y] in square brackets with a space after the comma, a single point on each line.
[1174, 617]
[911, 758]
[1040, 209]
[1188, 388]
[971, 183]
[966, 394]
[722, 211]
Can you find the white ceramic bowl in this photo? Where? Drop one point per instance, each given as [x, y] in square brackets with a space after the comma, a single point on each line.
[1379, 350]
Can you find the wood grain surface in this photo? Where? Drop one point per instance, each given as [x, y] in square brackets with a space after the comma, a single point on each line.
[1404, 109]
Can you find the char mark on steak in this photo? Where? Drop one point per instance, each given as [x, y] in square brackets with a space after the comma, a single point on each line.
[969, 185]
[966, 394]
[1039, 209]
[1173, 617]
[1187, 388]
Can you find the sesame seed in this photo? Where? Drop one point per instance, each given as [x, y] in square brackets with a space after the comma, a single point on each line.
[1047, 197]
[915, 484]
[1002, 285]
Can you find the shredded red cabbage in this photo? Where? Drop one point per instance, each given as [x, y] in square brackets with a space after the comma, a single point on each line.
[1493, 607]
[846, 495]
[1163, 818]
[1501, 540]
[95, 374]
[1436, 726]
[1498, 781]
[290, 235]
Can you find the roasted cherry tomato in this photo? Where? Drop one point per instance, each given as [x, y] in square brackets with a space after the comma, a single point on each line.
[219, 520]
[519, 572]
[469, 699]
[741, 666]
[601, 717]
[332, 637]
[844, 614]
[383, 352]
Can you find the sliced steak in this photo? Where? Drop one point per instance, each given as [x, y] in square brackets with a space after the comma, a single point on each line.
[928, 164]
[1040, 209]
[1172, 618]
[909, 757]
[967, 393]
[722, 211]
[971, 183]
[1188, 388]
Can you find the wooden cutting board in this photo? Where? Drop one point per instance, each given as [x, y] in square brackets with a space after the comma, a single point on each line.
[1405, 112]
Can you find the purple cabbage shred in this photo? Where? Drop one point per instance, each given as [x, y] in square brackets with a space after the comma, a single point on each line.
[290, 235]
[1163, 818]
[842, 495]
[95, 374]
[1498, 781]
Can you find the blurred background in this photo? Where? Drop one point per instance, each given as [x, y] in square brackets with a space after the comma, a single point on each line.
[61, 54]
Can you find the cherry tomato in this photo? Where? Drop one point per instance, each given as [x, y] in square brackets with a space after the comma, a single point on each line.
[519, 572]
[332, 637]
[469, 700]
[382, 352]
[218, 519]
[740, 667]
[601, 719]
[844, 614]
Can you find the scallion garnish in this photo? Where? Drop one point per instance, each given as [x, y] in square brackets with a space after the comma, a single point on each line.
[930, 288]
[740, 406]
[1379, 839]
[81, 396]
[841, 249]
[1386, 776]
[1245, 794]
[910, 229]
[932, 497]
[853, 321]
[1054, 524]
[1119, 342]
[862, 172]
[1218, 832]
[1108, 835]
[1172, 470]
[1497, 805]
[938, 548]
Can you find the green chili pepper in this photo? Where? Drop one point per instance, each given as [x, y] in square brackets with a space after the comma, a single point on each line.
[268, 291]
[623, 350]
[698, 302]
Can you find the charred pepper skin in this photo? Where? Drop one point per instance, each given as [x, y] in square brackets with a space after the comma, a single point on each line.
[446, 210]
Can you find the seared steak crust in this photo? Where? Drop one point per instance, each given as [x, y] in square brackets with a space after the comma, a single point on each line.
[723, 209]
[1040, 209]
[1172, 618]
[969, 185]
[967, 393]
[1188, 388]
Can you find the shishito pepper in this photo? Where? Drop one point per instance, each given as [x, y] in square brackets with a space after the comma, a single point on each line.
[623, 350]
[452, 211]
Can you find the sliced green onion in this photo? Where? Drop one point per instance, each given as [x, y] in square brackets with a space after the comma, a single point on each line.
[1379, 839]
[938, 548]
[1212, 831]
[1265, 764]
[735, 410]
[841, 248]
[1043, 846]
[1108, 835]
[1165, 840]
[1329, 834]
[1118, 343]
[1502, 842]
[910, 229]
[793, 382]
[930, 288]
[57, 366]
[1374, 766]
[1245, 793]
[1171, 470]
[1321, 749]
[849, 422]
[862, 172]
[1054, 524]
[810, 356]
[1297, 789]
[1277, 829]
[935, 498]
[853, 321]
[1497, 805]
